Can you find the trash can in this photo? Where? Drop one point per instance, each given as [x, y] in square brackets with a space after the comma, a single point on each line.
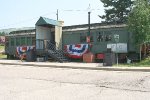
[31, 56]
[109, 58]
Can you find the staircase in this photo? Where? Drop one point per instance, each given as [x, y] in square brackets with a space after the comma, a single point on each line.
[58, 55]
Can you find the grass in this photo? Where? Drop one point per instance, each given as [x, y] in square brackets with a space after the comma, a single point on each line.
[143, 63]
[3, 56]
[2, 49]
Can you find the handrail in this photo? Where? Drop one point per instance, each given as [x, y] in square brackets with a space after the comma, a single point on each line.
[53, 46]
[53, 49]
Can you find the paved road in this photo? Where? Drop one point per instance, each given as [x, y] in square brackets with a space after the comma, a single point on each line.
[42, 83]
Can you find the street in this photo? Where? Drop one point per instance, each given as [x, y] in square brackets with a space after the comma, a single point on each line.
[43, 83]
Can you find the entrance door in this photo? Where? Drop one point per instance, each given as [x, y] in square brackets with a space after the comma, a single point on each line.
[53, 37]
[53, 40]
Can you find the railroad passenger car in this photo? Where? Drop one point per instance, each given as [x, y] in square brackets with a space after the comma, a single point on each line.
[103, 37]
[19, 38]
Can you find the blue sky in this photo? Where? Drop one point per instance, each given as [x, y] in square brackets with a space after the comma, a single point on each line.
[25, 13]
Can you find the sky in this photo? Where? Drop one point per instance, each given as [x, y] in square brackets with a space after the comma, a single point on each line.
[25, 13]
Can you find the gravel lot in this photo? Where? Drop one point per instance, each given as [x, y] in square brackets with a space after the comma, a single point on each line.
[42, 83]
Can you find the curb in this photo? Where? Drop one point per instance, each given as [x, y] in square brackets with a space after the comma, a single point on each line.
[86, 68]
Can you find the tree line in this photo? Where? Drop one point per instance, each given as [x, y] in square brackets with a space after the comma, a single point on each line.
[2, 33]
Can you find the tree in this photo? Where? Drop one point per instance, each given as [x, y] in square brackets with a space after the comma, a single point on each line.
[139, 22]
[2, 33]
[116, 10]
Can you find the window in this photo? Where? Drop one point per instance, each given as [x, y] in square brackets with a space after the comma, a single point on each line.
[91, 39]
[33, 40]
[12, 41]
[29, 41]
[23, 41]
[108, 38]
[17, 41]
[82, 37]
[100, 37]
[40, 44]
[104, 37]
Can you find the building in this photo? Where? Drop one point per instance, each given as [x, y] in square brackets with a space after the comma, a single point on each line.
[54, 40]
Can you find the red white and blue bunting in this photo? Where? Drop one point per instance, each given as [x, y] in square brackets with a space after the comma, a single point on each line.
[23, 49]
[77, 50]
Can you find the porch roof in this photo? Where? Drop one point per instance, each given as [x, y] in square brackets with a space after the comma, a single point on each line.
[47, 22]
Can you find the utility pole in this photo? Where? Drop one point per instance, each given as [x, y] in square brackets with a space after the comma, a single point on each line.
[89, 26]
[116, 36]
[89, 56]
[89, 29]
[57, 14]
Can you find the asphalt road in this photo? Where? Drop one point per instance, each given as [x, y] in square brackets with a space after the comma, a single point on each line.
[42, 83]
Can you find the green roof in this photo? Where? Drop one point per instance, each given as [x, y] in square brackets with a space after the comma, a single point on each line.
[46, 21]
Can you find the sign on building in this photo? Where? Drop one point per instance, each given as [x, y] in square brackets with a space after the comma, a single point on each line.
[118, 47]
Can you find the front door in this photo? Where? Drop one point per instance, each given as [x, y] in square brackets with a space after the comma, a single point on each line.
[53, 43]
[53, 37]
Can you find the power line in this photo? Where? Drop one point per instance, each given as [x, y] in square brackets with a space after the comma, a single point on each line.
[57, 14]
[78, 10]
[27, 20]
[20, 22]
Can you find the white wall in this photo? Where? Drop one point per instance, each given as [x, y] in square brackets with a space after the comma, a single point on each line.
[58, 35]
[43, 33]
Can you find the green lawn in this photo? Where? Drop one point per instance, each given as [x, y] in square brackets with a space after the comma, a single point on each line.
[143, 63]
[3, 56]
[2, 49]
